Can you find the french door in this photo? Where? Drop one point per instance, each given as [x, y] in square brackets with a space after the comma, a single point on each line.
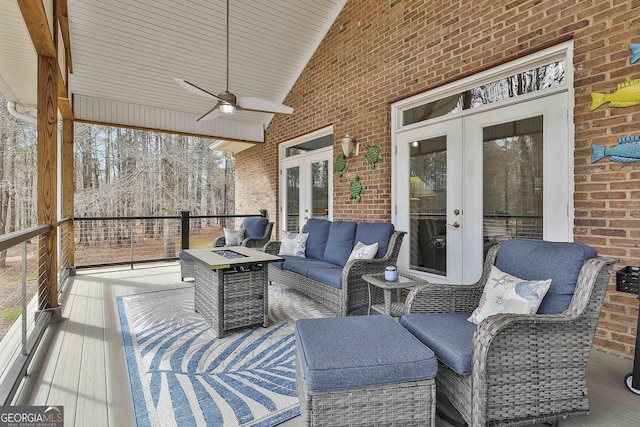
[465, 183]
[305, 189]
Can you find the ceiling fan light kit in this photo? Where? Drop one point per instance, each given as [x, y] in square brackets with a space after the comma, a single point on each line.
[227, 102]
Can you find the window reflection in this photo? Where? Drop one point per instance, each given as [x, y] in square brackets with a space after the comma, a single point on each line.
[428, 201]
[543, 77]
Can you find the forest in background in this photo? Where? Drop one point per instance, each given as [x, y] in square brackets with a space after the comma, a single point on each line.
[118, 172]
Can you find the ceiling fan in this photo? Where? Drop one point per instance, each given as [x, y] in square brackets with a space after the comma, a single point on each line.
[227, 102]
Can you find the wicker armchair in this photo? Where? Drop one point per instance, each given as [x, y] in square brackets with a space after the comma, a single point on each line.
[525, 369]
[257, 233]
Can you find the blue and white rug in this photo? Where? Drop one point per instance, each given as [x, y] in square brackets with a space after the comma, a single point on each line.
[181, 374]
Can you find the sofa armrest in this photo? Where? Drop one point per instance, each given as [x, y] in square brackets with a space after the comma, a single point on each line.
[272, 247]
[219, 242]
[356, 289]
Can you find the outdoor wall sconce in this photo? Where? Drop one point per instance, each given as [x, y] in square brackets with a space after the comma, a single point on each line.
[348, 145]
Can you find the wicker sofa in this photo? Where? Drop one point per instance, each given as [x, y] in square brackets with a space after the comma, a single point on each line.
[326, 275]
[516, 369]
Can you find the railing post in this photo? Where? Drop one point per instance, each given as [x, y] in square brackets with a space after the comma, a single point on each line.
[184, 217]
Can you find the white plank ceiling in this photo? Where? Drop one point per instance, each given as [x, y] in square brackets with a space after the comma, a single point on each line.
[126, 53]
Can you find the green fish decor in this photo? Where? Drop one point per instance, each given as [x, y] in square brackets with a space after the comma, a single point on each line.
[627, 95]
[373, 155]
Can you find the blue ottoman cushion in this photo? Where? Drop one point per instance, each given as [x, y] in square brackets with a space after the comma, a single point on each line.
[340, 353]
[184, 256]
[449, 335]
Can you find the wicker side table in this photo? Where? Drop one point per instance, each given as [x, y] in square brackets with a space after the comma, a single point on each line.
[397, 308]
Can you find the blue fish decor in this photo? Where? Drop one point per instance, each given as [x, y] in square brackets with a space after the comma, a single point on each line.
[627, 150]
[635, 52]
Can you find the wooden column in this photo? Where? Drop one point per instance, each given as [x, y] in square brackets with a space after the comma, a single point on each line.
[48, 177]
[67, 182]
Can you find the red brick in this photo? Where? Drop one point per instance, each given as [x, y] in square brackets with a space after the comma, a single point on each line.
[402, 48]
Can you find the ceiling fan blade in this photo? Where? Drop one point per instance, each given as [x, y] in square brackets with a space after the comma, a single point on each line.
[263, 106]
[195, 89]
[211, 114]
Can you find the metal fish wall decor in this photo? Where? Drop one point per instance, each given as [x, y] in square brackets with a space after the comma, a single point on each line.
[635, 52]
[627, 150]
[627, 94]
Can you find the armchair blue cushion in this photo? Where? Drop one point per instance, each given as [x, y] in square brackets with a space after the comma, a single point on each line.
[539, 260]
[254, 226]
[372, 232]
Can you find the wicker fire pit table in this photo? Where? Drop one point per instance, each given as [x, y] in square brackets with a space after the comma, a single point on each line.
[231, 286]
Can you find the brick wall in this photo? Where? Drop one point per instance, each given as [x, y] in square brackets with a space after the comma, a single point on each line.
[378, 52]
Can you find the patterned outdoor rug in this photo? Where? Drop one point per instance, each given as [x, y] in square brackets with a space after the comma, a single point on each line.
[182, 375]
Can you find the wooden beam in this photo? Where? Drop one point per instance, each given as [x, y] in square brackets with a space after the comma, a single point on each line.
[175, 132]
[66, 184]
[47, 172]
[35, 17]
[63, 20]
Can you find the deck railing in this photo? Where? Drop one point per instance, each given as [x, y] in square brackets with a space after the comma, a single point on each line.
[26, 286]
[107, 241]
[24, 302]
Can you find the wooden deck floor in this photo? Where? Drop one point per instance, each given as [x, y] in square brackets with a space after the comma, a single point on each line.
[81, 363]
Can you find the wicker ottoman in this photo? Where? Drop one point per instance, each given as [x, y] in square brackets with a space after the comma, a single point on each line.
[363, 371]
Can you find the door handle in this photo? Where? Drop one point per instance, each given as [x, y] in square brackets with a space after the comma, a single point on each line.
[454, 225]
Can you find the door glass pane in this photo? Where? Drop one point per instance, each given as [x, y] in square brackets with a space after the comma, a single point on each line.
[293, 199]
[320, 189]
[512, 156]
[428, 201]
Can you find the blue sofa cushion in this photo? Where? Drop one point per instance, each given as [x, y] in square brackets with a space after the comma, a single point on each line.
[254, 226]
[184, 256]
[340, 242]
[331, 275]
[371, 232]
[449, 335]
[338, 353]
[539, 260]
[304, 265]
[318, 230]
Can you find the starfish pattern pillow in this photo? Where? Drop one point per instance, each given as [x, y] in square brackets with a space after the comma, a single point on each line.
[362, 251]
[504, 293]
[294, 244]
